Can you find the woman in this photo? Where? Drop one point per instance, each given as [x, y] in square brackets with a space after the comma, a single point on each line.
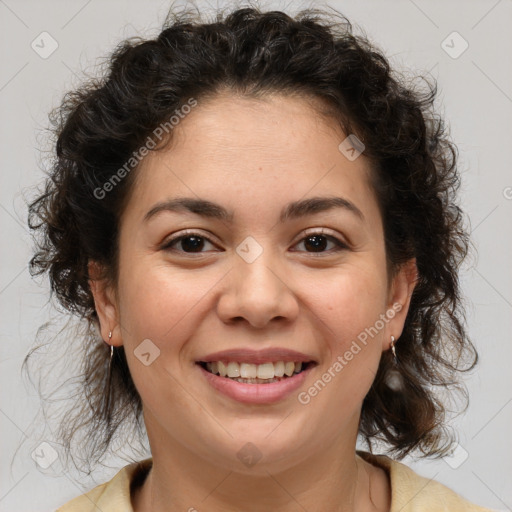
[253, 213]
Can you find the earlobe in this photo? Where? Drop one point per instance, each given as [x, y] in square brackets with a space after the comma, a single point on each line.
[105, 304]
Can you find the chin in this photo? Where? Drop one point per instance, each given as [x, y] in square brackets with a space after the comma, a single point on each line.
[258, 452]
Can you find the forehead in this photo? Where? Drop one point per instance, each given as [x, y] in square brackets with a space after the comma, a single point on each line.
[272, 150]
[272, 125]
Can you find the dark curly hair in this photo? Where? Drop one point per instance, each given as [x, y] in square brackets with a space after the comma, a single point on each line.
[314, 55]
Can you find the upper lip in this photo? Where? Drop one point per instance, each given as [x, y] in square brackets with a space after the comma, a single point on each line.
[244, 355]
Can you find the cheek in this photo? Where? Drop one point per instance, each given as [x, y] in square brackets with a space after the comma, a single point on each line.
[161, 304]
[350, 310]
[354, 298]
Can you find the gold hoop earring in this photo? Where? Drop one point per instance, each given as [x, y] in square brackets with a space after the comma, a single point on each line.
[394, 379]
[111, 348]
[108, 392]
[393, 350]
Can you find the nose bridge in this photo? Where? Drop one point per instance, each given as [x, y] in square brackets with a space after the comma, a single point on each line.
[257, 290]
[259, 279]
[256, 274]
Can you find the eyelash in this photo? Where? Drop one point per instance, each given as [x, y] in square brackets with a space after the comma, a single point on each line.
[317, 232]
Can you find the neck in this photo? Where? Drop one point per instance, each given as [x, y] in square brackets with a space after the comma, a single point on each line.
[333, 480]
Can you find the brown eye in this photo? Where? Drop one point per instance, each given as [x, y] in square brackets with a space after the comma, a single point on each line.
[189, 243]
[318, 243]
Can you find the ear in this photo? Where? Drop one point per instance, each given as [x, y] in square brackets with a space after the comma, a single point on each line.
[399, 299]
[105, 303]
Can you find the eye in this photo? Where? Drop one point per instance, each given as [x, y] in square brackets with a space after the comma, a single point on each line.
[190, 243]
[318, 241]
[193, 243]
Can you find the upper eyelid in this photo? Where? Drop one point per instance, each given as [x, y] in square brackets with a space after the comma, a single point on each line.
[189, 232]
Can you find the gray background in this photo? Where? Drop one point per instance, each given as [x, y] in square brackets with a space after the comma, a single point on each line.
[476, 98]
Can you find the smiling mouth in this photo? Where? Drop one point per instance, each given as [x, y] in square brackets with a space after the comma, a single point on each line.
[248, 373]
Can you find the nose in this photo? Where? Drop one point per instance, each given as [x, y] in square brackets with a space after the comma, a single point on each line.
[258, 293]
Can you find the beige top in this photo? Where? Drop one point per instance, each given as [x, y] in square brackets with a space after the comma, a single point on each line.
[410, 492]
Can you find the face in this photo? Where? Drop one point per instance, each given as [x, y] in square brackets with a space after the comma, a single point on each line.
[268, 277]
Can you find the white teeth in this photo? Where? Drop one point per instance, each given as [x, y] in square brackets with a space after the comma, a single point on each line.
[233, 369]
[289, 368]
[279, 369]
[265, 371]
[223, 371]
[248, 371]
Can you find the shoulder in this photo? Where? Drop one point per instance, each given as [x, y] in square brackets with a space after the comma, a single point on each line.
[411, 492]
[111, 496]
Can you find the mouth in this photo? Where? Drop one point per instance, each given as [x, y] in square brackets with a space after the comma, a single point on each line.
[249, 373]
[250, 383]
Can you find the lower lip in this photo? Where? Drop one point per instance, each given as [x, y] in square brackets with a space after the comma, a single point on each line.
[256, 393]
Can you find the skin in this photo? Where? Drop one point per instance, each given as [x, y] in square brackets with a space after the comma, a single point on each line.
[253, 157]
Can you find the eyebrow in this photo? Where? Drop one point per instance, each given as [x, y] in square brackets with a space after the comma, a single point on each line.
[293, 210]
